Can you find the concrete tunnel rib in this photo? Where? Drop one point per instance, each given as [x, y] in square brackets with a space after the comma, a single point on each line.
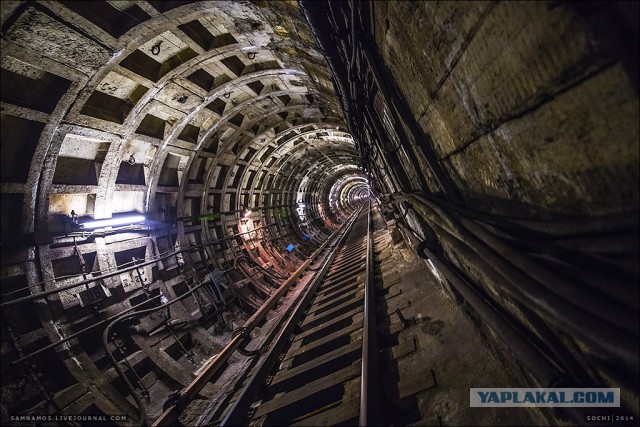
[498, 141]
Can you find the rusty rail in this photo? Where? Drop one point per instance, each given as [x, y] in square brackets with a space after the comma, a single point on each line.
[369, 413]
[170, 415]
[291, 394]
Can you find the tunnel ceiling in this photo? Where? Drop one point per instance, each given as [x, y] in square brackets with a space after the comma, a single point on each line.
[169, 108]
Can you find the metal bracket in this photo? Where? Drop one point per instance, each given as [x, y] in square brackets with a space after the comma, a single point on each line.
[155, 49]
[175, 399]
[246, 337]
[405, 322]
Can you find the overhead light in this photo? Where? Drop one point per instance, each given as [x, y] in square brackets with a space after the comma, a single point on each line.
[247, 213]
[101, 223]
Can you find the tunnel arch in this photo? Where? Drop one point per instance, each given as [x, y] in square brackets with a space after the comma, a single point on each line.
[161, 139]
[178, 110]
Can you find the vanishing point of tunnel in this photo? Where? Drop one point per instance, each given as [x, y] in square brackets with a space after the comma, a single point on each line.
[220, 213]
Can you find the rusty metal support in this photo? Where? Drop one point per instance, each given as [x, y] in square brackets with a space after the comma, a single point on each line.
[111, 274]
[83, 331]
[145, 390]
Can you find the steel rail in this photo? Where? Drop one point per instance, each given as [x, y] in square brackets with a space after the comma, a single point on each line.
[235, 415]
[341, 270]
[170, 415]
[369, 413]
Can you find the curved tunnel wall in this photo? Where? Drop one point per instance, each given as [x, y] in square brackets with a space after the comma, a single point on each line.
[503, 139]
[520, 115]
[192, 113]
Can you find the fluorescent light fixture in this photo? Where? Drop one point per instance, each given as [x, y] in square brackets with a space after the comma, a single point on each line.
[110, 222]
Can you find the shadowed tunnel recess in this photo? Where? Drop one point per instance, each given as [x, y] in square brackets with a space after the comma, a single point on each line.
[233, 141]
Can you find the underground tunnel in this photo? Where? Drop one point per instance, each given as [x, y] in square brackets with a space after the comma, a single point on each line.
[318, 212]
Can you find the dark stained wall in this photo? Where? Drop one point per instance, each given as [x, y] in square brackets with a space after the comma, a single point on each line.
[503, 138]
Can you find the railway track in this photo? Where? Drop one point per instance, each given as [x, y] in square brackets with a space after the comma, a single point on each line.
[321, 366]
